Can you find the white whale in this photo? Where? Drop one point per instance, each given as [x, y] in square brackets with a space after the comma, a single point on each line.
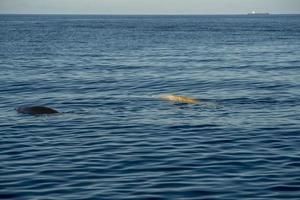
[178, 99]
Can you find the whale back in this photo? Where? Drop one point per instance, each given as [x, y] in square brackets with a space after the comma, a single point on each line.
[36, 110]
[179, 99]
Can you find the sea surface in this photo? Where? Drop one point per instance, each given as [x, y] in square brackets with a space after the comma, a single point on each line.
[115, 139]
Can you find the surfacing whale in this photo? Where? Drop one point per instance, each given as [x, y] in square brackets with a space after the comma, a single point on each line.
[179, 99]
[36, 110]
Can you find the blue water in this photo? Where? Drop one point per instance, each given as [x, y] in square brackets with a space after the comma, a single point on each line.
[114, 138]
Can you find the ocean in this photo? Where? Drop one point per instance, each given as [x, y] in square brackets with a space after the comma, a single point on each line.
[115, 139]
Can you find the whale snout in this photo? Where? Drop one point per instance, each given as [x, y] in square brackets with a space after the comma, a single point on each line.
[36, 110]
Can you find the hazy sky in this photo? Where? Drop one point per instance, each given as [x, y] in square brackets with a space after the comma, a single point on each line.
[149, 6]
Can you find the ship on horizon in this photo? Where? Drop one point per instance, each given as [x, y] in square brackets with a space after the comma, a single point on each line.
[256, 13]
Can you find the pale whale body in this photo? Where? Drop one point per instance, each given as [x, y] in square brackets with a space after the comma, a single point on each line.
[36, 110]
[178, 99]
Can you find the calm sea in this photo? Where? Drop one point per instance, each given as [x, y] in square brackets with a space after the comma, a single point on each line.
[114, 138]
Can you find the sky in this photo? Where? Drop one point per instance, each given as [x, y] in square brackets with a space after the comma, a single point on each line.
[148, 6]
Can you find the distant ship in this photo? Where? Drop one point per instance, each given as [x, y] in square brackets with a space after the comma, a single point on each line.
[260, 14]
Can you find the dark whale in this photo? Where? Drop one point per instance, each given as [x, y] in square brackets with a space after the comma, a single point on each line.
[36, 110]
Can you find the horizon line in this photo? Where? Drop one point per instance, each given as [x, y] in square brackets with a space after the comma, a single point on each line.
[158, 14]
